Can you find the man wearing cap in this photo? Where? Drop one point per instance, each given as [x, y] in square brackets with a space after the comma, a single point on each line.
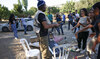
[44, 26]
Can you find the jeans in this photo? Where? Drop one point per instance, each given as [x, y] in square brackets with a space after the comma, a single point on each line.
[25, 29]
[60, 28]
[14, 29]
[70, 22]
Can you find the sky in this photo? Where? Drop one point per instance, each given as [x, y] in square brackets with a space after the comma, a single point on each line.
[31, 3]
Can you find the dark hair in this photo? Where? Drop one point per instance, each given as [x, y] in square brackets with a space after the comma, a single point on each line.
[85, 11]
[11, 16]
[41, 7]
[96, 5]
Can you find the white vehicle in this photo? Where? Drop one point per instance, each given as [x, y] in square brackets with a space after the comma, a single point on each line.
[29, 23]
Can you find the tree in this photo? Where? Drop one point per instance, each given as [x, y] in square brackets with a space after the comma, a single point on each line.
[4, 12]
[53, 10]
[18, 8]
[32, 10]
[68, 6]
[25, 4]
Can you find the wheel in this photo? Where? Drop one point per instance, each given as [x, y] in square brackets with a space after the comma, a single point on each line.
[5, 29]
[29, 28]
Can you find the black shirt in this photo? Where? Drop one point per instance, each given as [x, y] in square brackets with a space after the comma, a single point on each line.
[93, 23]
[43, 31]
[96, 25]
[12, 21]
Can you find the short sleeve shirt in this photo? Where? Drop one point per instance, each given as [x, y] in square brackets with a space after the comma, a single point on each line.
[43, 31]
[83, 21]
[12, 21]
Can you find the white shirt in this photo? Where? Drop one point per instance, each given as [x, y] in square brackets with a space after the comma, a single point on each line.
[23, 21]
[77, 15]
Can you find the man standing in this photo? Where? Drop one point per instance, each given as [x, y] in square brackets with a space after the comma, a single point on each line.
[64, 18]
[23, 22]
[70, 20]
[50, 17]
[44, 26]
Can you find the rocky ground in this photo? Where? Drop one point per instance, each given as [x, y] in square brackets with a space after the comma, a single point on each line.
[12, 49]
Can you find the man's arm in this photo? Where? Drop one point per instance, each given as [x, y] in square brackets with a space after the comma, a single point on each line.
[47, 26]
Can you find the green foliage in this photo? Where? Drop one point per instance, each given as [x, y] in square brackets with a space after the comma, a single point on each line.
[4, 12]
[18, 8]
[69, 6]
[25, 4]
[32, 10]
[53, 10]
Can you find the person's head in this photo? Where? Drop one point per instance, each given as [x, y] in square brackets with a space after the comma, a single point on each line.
[69, 12]
[49, 12]
[73, 13]
[11, 16]
[83, 12]
[96, 8]
[41, 5]
[76, 11]
[91, 14]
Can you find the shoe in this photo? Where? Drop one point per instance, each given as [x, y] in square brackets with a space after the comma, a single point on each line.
[82, 51]
[63, 34]
[77, 50]
[88, 57]
[16, 38]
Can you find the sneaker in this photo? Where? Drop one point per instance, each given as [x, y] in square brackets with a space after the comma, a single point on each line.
[77, 50]
[16, 38]
[88, 57]
[82, 51]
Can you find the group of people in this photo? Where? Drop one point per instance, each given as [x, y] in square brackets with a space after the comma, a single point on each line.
[13, 25]
[82, 21]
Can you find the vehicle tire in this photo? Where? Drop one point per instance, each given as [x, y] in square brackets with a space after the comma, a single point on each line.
[5, 29]
[29, 28]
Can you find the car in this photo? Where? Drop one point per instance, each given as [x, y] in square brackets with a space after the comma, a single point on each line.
[29, 24]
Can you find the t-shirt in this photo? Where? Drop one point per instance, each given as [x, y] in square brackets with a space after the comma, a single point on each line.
[64, 17]
[58, 18]
[83, 21]
[12, 21]
[23, 21]
[43, 31]
[96, 25]
[77, 15]
[70, 17]
[50, 17]
[93, 23]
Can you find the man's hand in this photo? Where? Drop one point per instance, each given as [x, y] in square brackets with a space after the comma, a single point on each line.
[72, 29]
[56, 25]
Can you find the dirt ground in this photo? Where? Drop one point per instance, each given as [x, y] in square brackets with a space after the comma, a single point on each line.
[12, 49]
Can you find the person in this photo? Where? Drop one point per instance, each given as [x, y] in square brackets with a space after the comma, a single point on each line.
[59, 21]
[50, 17]
[45, 24]
[23, 22]
[74, 21]
[12, 25]
[77, 19]
[96, 10]
[64, 18]
[84, 34]
[70, 20]
[92, 35]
